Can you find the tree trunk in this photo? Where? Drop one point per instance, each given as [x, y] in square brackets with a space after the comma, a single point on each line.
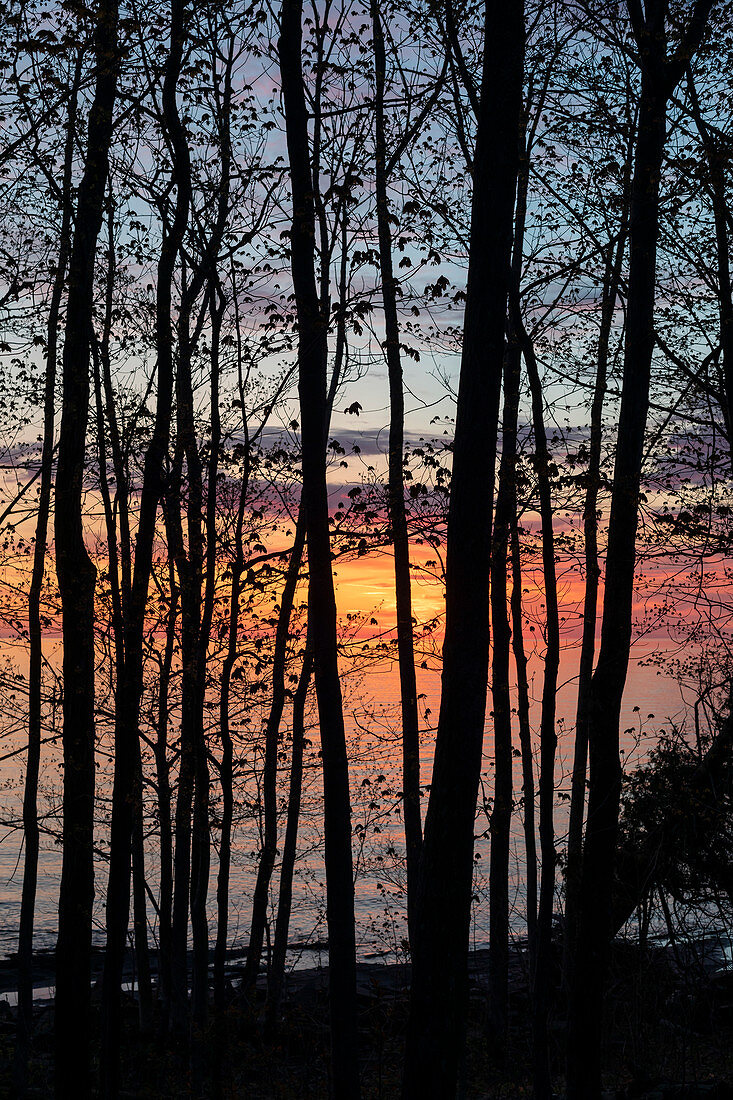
[127, 793]
[612, 277]
[140, 923]
[226, 776]
[501, 814]
[201, 848]
[193, 840]
[268, 852]
[119, 576]
[584, 1055]
[439, 981]
[162, 771]
[24, 1034]
[715, 157]
[658, 79]
[76, 576]
[120, 573]
[506, 507]
[184, 805]
[227, 816]
[272, 729]
[396, 492]
[542, 982]
[525, 740]
[189, 867]
[312, 357]
[276, 978]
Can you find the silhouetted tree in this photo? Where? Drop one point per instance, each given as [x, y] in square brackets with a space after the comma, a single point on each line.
[439, 981]
[312, 357]
[659, 76]
[35, 636]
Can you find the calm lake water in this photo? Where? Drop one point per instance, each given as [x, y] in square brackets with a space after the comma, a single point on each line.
[372, 719]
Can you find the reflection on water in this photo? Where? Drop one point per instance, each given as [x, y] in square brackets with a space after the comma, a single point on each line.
[652, 698]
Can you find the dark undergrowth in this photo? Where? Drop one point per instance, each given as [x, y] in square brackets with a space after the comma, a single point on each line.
[668, 1034]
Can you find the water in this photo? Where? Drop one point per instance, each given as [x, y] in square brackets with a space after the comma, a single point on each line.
[372, 717]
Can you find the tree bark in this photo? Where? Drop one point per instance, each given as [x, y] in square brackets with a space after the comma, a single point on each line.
[276, 979]
[658, 79]
[715, 158]
[127, 792]
[192, 776]
[312, 357]
[504, 520]
[268, 852]
[140, 923]
[201, 847]
[76, 577]
[226, 774]
[24, 1033]
[439, 982]
[118, 571]
[607, 685]
[542, 980]
[165, 830]
[501, 813]
[411, 812]
[193, 841]
[612, 277]
[272, 729]
[525, 739]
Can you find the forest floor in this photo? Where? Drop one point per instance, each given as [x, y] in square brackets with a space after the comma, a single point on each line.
[668, 1035]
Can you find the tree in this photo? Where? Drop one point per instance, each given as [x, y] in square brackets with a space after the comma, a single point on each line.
[35, 638]
[396, 487]
[438, 997]
[312, 355]
[127, 777]
[659, 76]
[76, 576]
[285, 896]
